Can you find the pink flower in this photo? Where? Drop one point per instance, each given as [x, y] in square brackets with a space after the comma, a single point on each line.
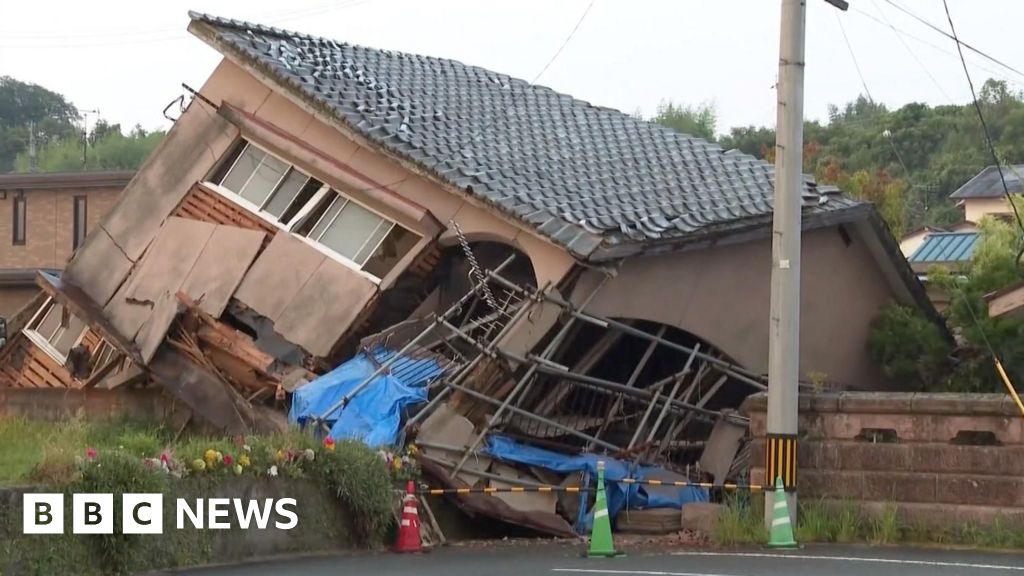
[228, 460]
[165, 458]
[91, 453]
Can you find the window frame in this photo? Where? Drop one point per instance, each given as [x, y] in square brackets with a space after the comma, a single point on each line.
[19, 206]
[42, 341]
[78, 233]
[303, 213]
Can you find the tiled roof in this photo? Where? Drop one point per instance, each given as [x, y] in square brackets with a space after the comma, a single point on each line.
[987, 185]
[945, 247]
[585, 176]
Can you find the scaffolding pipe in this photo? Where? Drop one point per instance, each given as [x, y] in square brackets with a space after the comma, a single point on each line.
[523, 383]
[387, 364]
[531, 415]
[733, 370]
[671, 395]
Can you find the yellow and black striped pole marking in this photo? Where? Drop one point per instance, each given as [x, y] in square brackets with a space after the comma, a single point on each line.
[780, 460]
[576, 489]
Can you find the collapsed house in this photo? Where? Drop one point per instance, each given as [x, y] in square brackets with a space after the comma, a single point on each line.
[549, 277]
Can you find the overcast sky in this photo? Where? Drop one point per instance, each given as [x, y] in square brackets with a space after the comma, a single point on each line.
[128, 58]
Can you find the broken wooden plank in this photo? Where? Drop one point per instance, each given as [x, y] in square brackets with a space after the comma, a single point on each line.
[152, 333]
[220, 267]
[169, 258]
[103, 371]
[325, 307]
[203, 392]
[278, 274]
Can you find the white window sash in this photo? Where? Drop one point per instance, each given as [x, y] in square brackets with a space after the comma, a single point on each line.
[306, 209]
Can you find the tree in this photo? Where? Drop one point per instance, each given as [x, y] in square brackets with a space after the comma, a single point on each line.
[21, 103]
[697, 121]
[109, 150]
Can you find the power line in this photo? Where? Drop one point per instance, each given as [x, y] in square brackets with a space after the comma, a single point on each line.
[984, 126]
[912, 53]
[954, 37]
[905, 34]
[854, 58]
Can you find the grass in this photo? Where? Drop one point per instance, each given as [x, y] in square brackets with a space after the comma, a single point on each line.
[34, 451]
[742, 522]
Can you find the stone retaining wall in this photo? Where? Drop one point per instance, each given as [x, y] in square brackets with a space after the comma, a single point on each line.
[55, 404]
[940, 458]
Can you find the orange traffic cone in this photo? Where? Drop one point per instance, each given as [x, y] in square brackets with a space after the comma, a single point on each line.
[409, 527]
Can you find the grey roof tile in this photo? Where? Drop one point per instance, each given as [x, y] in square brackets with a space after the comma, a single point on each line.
[582, 174]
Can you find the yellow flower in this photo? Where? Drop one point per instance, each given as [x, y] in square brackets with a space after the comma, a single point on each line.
[413, 450]
[279, 456]
[243, 460]
[210, 456]
[198, 465]
[396, 464]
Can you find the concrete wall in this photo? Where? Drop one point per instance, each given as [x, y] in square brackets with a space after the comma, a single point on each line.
[722, 295]
[54, 404]
[933, 462]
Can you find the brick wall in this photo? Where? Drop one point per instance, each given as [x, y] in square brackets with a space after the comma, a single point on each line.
[49, 225]
[939, 458]
[12, 298]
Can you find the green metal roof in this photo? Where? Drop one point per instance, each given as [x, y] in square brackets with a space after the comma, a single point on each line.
[946, 247]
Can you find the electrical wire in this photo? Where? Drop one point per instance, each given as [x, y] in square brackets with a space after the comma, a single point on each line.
[954, 37]
[984, 127]
[911, 52]
[905, 34]
[854, 58]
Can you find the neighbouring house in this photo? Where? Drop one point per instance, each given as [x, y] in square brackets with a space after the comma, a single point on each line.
[949, 250]
[913, 239]
[983, 195]
[50, 216]
[315, 193]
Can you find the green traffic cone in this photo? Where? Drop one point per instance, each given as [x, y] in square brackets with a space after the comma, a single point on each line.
[601, 545]
[781, 535]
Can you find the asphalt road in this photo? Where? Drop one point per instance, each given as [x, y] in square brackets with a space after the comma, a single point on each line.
[566, 561]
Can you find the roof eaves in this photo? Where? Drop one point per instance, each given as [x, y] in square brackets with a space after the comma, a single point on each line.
[712, 235]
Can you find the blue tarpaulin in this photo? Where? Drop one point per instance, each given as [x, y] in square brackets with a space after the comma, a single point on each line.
[374, 415]
[620, 496]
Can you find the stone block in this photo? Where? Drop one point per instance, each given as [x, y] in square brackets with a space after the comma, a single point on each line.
[980, 490]
[899, 487]
[867, 456]
[653, 521]
[934, 457]
[830, 484]
[701, 517]
[950, 403]
[876, 402]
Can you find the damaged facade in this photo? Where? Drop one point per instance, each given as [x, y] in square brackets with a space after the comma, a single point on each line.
[576, 279]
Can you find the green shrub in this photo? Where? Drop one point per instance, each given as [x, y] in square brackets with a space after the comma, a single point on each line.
[117, 472]
[910, 349]
[741, 521]
[357, 476]
[885, 528]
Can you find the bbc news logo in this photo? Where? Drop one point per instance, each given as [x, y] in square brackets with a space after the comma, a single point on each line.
[144, 513]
